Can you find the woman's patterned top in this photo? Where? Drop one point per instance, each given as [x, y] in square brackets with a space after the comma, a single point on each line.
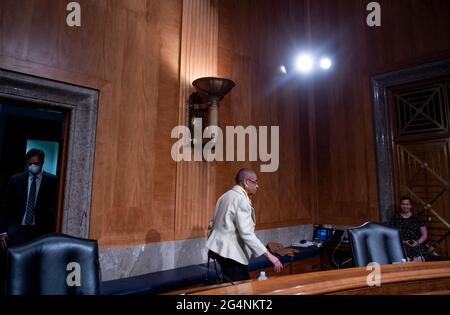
[410, 230]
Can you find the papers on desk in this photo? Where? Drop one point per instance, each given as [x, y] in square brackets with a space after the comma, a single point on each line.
[306, 244]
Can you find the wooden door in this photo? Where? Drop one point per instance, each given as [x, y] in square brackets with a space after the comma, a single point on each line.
[419, 124]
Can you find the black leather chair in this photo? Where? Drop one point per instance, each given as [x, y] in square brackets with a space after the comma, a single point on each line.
[373, 242]
[49, 265]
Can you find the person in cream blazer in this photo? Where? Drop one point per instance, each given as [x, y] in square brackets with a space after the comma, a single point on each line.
[231, 233]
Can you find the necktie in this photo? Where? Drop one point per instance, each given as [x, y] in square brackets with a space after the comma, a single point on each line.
[29, 215]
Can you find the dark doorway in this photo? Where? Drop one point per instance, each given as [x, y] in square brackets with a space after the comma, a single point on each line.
[23, 127]
[75, 164]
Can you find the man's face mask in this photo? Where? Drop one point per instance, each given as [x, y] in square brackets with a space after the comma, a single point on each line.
[34, 169]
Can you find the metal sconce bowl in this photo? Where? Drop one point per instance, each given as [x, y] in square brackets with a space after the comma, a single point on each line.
[204, 102]
[213, 87]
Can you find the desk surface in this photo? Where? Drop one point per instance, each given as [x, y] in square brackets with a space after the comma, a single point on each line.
[408, 278]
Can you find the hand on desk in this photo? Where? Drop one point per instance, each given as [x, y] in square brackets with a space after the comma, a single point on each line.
[304, 243]
[275, 261]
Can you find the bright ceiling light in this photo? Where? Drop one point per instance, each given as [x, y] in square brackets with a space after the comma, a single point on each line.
[304, 63]
[325, 63]
[283, 69]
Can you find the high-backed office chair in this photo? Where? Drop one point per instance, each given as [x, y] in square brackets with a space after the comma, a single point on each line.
[373, 242]
[55, 264]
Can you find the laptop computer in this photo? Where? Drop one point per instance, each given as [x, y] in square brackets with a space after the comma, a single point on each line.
[321, 234]
[329, 235]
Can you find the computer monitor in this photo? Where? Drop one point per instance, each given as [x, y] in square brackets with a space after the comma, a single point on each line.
[321, 234]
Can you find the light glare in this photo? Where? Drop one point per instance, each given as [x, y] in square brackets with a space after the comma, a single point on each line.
[304, 63]
[325, 63]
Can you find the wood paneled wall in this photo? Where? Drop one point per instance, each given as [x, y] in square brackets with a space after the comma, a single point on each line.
[254, 37]
[412, 32]
[327, 171]
[131, 52]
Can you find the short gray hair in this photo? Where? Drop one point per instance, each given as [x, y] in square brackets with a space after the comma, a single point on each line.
[243, 174]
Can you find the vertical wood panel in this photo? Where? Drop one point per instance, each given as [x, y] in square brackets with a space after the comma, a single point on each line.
[255, 37]
[195, 190]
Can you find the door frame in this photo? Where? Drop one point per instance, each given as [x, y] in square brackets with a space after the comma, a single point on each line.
[383, 135]
[81, 104]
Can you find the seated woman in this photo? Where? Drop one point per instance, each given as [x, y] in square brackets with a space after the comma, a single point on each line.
[413, 231]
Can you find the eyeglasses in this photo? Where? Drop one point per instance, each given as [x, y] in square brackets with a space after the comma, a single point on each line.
[253, 181]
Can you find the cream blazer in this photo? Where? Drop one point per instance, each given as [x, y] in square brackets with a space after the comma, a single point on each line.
[232, 231]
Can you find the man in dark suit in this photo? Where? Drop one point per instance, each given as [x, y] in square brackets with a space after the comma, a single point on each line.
[28, 209]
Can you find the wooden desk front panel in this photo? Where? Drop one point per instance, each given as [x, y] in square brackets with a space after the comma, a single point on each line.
[409, 278]
[439, 286]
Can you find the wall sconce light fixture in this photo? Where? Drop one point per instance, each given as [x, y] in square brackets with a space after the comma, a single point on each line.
[204, 102]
